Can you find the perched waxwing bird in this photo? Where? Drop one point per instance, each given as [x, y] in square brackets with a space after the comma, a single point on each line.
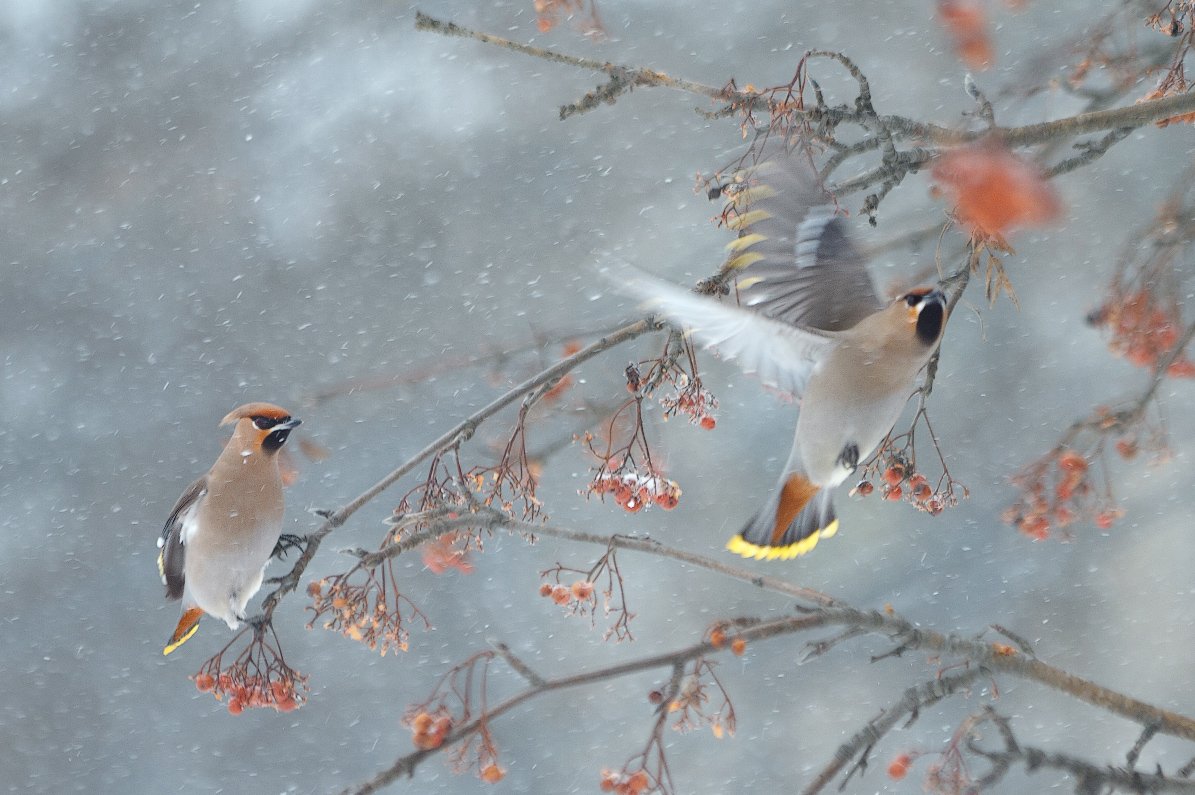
[221, 533]
[804, 316]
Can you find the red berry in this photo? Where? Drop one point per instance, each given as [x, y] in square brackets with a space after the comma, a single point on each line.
[899, 766]
[1070, 461]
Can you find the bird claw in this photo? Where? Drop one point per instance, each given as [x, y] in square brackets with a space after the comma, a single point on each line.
[849, 457]
[287, 542]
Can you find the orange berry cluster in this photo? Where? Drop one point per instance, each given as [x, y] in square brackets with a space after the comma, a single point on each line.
[692, 400]
[250, 691]
[634, 491]
[429, 730]
[718, 640]
[913, 487]
[1143, 331]
[378, 627]
[580, 591]
[622, 783]
[1042, 507]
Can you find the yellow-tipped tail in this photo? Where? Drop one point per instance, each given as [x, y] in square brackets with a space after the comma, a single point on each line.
[187, 624]
[743, 547]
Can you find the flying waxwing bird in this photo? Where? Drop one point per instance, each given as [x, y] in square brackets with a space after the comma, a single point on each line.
[222, 531]
[805, 317]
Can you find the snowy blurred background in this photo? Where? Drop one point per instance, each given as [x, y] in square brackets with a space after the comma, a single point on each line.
[208, 203]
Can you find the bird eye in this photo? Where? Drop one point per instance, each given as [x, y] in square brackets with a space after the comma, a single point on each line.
[264, 423]
[912, 299]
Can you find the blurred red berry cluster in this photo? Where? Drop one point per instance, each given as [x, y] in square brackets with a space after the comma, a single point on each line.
[898, 768]
[1056, 491]
[582, 14]
[1144, 328]
[994, 190]
[966, 22]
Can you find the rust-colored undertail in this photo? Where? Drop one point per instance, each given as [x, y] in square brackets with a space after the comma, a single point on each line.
[187, 624]
[803, 515]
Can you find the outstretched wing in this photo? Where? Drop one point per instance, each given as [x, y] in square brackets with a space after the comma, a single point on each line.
[171, 551]
[794, 259]
[781, 355]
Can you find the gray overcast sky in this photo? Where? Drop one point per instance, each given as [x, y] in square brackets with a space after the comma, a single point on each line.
[210, 203]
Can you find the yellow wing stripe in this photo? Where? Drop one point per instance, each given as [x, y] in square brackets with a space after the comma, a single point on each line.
[749, 196]
[743, 260]
[746, 219]
[740, 243]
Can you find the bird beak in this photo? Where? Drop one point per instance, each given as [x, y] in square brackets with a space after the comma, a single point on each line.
[293, 422]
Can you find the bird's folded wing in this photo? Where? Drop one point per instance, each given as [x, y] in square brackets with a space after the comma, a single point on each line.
[171, 552]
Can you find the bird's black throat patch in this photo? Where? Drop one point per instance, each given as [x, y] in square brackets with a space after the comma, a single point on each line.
[929, 322]
[274, 441]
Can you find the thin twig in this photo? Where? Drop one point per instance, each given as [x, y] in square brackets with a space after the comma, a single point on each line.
[453, 436]
[910, 703]
[406, 765]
